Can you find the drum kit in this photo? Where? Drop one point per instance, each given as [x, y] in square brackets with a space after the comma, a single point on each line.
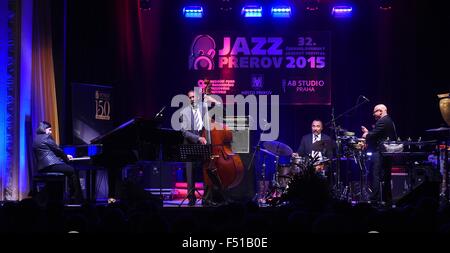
[297, 165]
[349, 147]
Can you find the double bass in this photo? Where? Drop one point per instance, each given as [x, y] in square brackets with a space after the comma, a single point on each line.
[225, 169]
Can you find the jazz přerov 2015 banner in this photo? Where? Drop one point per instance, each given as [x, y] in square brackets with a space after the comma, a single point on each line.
[297, 68]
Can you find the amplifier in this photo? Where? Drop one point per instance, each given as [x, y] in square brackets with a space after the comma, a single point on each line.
[153, 174]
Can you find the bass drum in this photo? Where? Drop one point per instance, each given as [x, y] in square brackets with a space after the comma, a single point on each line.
[283, 175]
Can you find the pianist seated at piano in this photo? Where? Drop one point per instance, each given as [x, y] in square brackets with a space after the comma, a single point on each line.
[51, 158]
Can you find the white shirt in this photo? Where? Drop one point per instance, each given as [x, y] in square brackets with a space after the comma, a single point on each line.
[196, 113]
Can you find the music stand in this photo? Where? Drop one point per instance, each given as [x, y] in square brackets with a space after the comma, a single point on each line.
[194, 153]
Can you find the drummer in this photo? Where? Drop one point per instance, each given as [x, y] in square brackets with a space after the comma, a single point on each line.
[306, 144]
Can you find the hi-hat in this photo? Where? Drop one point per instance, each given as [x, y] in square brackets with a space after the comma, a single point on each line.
[278, 148]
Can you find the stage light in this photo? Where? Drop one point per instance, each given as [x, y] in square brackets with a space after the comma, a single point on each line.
[281, 11]
[252, 11]
[342, 11]
[385, 5]
[145, 5]
[193, 11]
[226, 6]
[312, 5]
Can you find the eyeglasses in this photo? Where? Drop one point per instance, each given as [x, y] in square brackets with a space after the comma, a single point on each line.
[377, 110]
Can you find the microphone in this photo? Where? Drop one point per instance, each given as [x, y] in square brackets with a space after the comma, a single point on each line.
[367, 100]
[160, 112]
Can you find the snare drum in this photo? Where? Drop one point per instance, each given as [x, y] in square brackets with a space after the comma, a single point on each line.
[360, 144]
[321, 165]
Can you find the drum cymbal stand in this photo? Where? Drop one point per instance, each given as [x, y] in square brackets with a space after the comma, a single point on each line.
[262, 185]
[338, 190]
[338, 186]
[360, 158]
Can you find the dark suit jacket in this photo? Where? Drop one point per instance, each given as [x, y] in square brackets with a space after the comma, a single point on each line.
[187, 124]
[47, 152]
[305, 147]
[383, 129]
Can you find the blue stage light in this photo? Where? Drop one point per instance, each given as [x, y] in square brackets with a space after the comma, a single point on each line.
[281, 11]
[342, 11]
[193, 12]
[252, 11]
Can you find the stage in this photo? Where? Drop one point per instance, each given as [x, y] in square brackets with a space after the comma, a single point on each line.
[276, 116]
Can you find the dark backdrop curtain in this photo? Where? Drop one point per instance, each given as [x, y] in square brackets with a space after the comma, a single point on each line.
[116, 43]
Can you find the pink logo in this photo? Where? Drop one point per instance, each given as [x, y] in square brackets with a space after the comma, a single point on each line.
[202, 53]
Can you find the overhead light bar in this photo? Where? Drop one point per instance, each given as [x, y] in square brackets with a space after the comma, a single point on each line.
[342, 11]
[193, 12]
[281, 11]
[252, 11]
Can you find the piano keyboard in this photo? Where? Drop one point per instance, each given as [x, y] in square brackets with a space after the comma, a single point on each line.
[82, 158]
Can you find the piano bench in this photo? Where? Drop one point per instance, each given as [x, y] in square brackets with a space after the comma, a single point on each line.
[50, 187]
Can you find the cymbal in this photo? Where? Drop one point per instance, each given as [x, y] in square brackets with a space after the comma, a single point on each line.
[440, 129]
[321, 145]
[278, 148]
[339, 128]
[416, 143]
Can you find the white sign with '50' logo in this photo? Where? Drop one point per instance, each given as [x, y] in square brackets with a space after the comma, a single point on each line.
[102, 105]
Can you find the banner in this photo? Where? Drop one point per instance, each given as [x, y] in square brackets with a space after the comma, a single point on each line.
[297, 68]
[92, 111]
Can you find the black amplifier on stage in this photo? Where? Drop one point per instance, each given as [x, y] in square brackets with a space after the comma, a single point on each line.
[154, 174]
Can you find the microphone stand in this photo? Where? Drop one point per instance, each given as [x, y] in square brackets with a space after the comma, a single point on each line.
[159, 117]
[333, 120]
[338, 183]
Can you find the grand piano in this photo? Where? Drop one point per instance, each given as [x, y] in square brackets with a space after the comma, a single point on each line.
[135, 140]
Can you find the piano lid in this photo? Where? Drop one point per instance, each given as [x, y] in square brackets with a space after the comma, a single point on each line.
[138, 130]
[129, 132]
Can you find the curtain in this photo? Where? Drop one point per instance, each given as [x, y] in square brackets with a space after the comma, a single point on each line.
[43, 97]
[28, 93]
